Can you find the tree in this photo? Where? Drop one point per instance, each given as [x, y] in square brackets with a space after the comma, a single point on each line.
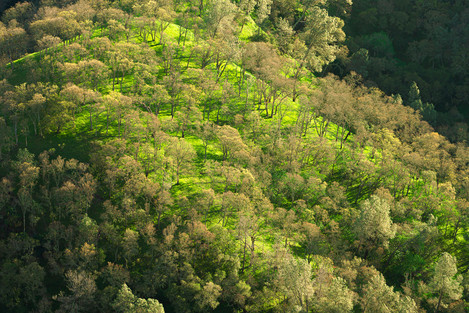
[22, 12]
[233, 203]
[92, 73]
[174, 86]
[293, 185]
[14, 110]
[337, 298]
[246, 7]
[189, 115]
[157, 16]
[66, 203]
[59, 114]
[205, 202]
[380, 298]
[48, 43]
[13, 40]
[130, 245]
[248, 229]
[374, 225]
[127, 302]
[426, 109]
[82, 288]
[286, 221]
[181, 153]
[445, 283]
[216, 13]
[262, 12]
[22, 282]
[110, 101]
[35, 109]
[207, 298]
[232, 144]
[206, 132]
[312, 240]
[59, 24]
[154, 97]
[320, 42]
[211, 91]
[115, 28]
[163, 202]
[267, 66]
[4, 137]
[77, 97]
[295, 281]
[123, 107]
[285, 35]
[110, 19]
[227, 49]
[28, 176]
[114, 55]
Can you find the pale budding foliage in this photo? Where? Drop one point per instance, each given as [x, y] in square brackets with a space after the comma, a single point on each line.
[312, 286]
[323, 33]
[380, 298]
[374, 223]
[127, 302]
[445, 282]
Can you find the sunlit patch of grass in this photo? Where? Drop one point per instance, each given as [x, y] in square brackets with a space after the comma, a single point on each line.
[249, 29]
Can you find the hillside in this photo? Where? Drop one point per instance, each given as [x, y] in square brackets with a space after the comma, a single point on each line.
[186, 156]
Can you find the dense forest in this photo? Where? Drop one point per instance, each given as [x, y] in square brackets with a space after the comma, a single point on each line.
[396, 43]
[234, 156]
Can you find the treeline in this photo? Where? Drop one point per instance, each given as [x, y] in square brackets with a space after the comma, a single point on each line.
[205, 168]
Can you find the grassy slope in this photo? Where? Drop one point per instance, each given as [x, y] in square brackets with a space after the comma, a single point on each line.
[74, 142]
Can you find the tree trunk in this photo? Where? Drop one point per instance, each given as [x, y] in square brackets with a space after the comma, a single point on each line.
[24, 220]
[107, 124]
[16, 131]
[206, 215]
[253, 246]
[189, 58]
[244, 255]
[91, 118]
[159, 219]
[439, 302]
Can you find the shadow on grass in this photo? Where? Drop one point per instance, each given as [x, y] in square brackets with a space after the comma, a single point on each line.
[71, 145]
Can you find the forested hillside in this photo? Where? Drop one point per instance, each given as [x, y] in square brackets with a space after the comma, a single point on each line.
[200, 156]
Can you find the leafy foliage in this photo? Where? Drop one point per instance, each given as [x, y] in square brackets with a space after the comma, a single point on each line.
[158, 158]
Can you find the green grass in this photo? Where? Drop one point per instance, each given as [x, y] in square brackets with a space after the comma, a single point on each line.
[250, 29]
